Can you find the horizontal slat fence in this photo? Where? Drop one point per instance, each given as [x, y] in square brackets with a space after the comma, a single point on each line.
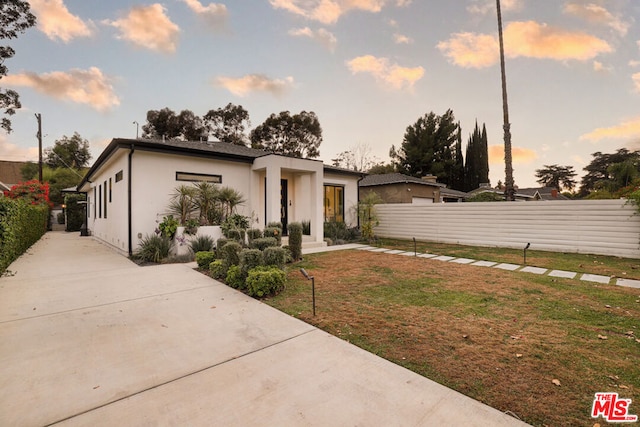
[604, 227]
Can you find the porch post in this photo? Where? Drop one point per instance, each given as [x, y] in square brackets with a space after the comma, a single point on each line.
[317, 213]
[273, 194]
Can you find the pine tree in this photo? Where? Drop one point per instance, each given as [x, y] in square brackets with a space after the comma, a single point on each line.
[457, 172]
[476, 168]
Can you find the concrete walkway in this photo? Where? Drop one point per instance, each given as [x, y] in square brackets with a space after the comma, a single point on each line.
[89, 338]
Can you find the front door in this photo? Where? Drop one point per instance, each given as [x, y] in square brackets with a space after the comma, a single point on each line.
[284, 205]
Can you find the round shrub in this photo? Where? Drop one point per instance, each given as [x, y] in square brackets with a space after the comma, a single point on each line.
[217, 270]
[295, 240]
[275, 256]
[265, 281]
[230, 253]
[234, 277]
[204, 258]
[275, 232]
[60, 218]
[264, 242]
[249, 259]
[253, 233]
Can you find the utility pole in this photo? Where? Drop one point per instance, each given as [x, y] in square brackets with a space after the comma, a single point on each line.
[39, 117]
[509, 190]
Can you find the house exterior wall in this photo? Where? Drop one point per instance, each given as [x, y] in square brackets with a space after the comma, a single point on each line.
[604, 227]
[350, 184]
[402, 192]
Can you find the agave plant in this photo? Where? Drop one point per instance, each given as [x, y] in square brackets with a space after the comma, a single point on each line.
[183, 203]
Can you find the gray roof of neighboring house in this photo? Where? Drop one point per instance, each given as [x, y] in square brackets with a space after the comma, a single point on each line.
[396, 178]
[546, 193]
[452, 193]
[10, 172]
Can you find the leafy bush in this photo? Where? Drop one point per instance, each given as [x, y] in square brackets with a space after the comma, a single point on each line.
[221, 242]
[217, 269]
[295, 240]
[75, 211]
[275, 232]
[235, 278]
[237, 222]
[191, 226]
[168, 226]
[275, 224]
[254, 233]
[204, 258]
[230, 253]
[264, 242]
[486, 197]
[249, 259]
[21, 225]
[202, 244]
[265, 281]
[275, 256]
[337, 231]
[60, 218]
[237, 235]
[153, 248]
[306, 228]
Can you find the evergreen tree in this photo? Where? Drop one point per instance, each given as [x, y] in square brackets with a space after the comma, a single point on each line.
[457, 172]
[476, 168]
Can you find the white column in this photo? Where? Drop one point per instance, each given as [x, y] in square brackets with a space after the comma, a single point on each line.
[273, 194]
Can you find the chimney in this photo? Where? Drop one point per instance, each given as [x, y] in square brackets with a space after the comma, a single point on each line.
[429, 178]
[554, 193]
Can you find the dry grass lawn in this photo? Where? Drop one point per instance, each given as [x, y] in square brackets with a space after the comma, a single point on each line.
[500, 337]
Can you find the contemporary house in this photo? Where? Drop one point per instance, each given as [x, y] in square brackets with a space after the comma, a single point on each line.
[129, 186]
[400, 188]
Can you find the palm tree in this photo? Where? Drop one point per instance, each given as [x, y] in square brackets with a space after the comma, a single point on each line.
[229, 198]
[182, 202]
[205, 200]
[509, 190]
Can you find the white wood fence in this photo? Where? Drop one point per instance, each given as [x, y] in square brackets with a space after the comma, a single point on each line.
[604, 227]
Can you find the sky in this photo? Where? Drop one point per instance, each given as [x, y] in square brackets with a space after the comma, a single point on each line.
[367, 68]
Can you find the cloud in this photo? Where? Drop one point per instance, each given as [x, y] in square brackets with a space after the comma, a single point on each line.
[402, 39]
[597, 14]
[626, 130]
[55, 20]
[329, 11]
[215, 14]
[601, 68]
[148, 27]
[519, 155]
[242, 86]
[89, 87]
[395, 76]
[522, 39]
[634, 64]
[636, 81]
[483, 7]
[15, 153]
[322, 36]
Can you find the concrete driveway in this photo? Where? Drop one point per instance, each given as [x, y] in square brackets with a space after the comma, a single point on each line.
[89, 338]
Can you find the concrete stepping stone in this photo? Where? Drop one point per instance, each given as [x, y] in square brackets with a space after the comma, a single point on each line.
[595, 278]
[507, 266]
[444, 258]
[408, 254]
[462, 260]
[427, 255]
[395, 251]
[379, 250]
[366, 248]
[484, 263]
[563, 274]
[534, 270]
[628, 283]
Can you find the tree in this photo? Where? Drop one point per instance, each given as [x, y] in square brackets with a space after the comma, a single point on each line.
[382, 168]
[427, 147]
[557, 177]
[457, 171]
[357, 158]
[15, 18]
[228, 124]
[299, 135]
[191, 126]
[29, 171]
[601, 175]
[167, 124]
[476, 169]
[68, 153]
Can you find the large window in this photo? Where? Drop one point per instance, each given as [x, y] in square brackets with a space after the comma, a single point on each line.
[333, 203]
[198, 177]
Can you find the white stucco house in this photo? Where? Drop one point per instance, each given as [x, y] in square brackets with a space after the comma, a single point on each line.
[128, 187]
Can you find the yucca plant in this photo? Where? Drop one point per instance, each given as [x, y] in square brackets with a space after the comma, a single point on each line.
[153, 248]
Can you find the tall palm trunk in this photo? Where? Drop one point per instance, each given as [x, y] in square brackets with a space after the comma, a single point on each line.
[509, 190]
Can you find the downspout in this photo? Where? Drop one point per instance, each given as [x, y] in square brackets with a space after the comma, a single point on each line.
[129, 199]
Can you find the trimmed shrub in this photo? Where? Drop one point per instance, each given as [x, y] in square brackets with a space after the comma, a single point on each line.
[295, 240]
[60, 218]
[234, 277]
[253, 233]
[275, 256]
[249, 259]
[265, 281]
[221, 242]
[264, 242]
[217, 270]
[237, 235]
[202, 244]
[204, 258]
[275, 232]
[75, 211]
[21, 225]
[230, 253]
[153, 248]
[276, 224]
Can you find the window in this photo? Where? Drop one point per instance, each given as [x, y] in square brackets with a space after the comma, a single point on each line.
[105, 198]
[333, 203]
[119, 176]
[198, 177]
[109, 190]
[95, 200]
[99, 201]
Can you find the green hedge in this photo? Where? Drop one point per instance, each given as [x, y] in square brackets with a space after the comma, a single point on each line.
[75, 211]
[21, 225]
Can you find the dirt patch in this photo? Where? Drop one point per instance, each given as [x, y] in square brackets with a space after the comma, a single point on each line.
[497, 336]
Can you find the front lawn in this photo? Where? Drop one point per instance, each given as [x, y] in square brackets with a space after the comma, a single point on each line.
[504, 338]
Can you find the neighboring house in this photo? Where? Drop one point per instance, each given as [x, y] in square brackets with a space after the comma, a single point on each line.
[524, 194]
[10, 174]
[129, 186]
[400, 188]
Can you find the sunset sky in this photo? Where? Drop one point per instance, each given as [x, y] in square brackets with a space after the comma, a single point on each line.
[367, 68]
